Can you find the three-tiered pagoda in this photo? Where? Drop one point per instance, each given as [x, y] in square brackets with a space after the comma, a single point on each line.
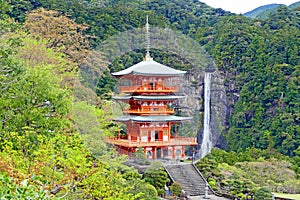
[149, 89]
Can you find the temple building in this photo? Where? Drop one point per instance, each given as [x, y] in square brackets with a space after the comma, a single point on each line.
[149, 90]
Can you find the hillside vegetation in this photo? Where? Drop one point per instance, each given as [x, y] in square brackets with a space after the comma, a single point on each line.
[263, 12]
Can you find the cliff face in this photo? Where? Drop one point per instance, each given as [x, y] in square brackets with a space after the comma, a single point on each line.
[221, 108]
[222, 101]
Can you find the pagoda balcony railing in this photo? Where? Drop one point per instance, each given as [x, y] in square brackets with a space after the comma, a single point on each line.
[174, 141]
[156, 110]
[132, 89]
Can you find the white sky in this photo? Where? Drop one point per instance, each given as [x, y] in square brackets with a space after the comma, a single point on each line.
[242, 6]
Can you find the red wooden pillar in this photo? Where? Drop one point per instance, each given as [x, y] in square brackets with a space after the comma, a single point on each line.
[182, 152]
[153, 153]
[173, 152]
[169, 131]
[130, 153]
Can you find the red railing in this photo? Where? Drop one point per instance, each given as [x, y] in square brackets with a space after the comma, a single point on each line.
[132, 89]
[174, 141]
[151, 110]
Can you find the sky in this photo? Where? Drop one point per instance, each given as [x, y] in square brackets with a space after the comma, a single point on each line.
[242, 6]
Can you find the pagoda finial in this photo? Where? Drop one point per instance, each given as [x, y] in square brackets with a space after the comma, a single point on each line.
[147, 57]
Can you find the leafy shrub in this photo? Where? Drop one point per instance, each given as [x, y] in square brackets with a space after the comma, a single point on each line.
[263, 193]
[156, 176]
[176, 188]
[25, 190]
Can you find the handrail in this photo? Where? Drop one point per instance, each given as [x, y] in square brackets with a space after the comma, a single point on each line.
[148, 89]
[173, 180]
[171, 142]
[203, 178]
[160, 110]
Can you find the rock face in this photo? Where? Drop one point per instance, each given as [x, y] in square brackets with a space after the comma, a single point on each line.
[220, 108]
[193, 105]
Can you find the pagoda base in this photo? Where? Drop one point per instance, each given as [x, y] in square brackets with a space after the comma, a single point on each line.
[166, 152]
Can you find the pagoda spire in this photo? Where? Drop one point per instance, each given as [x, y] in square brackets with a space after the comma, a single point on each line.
[148, 57]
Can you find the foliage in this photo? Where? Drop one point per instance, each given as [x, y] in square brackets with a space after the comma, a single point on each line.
[33, 96]
[35, 52]
[156, 176]
[25, 190]
[264, 71]
[65, 168]
[4, 8]
[63, 33]
[263, 193]
[94, 124]
[87, 124]
[271, 116]
[241, 173]
[176, 188]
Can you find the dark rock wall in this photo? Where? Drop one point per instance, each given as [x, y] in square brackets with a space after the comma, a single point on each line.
[222, 101]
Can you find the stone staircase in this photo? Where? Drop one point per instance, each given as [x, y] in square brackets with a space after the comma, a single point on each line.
[189, 177]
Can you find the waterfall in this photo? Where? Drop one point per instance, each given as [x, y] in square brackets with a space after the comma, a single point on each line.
[206, 145]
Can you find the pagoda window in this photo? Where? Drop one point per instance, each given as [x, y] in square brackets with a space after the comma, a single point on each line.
[168, 82]
[152, 86]
[165, 135]
[152, 136]
[159, 84]
[172, 81]
[145, 84]
[125, 82]
[144, 135]
[156, 135]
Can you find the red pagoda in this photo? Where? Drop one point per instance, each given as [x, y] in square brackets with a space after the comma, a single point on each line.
[149, 89]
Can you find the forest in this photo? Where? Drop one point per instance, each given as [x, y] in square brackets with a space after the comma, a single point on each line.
[56, 108]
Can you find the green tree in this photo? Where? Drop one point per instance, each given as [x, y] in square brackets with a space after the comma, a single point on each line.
[64, 34]
[263, 193]
[156, 176]
[176, 188]
[25, 190]
[4, 8]
[35, 100]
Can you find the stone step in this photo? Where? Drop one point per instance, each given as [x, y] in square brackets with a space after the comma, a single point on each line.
[189, 178]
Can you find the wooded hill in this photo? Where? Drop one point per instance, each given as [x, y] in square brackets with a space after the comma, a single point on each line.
[44, 50]
[263, 12]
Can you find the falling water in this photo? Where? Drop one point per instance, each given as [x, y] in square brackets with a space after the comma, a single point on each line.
[206, 142]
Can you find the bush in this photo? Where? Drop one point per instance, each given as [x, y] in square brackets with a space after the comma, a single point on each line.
[212, 183]
[176, 188]
[156, 176]
[263, 193]
[149, 192]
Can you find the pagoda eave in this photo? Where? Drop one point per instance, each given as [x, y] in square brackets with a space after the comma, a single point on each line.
[149, 68]
[153, 118]
[149, 98]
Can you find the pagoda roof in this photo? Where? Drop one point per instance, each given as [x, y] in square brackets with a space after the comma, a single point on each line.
[156, 118]
[170, 97]
[150, 68]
